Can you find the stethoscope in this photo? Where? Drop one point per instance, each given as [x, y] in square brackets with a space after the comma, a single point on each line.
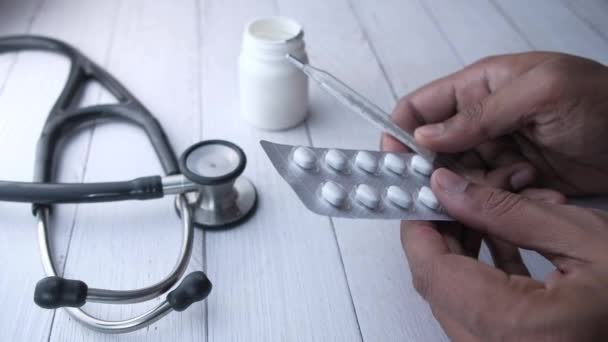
[210, 192]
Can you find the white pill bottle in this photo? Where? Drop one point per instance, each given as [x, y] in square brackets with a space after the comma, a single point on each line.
[273, 93]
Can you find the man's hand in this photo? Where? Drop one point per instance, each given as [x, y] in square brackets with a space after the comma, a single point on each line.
[515, 120]
[474, 301]
[544, 114]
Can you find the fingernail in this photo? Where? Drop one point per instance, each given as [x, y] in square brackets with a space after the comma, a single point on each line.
[521, 178]
[450, 182]
[430, 130]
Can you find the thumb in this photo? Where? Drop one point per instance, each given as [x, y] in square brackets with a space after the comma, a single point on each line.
[497, 114]
[544, 227]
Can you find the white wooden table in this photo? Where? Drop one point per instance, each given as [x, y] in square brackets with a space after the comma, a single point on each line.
[287, 274]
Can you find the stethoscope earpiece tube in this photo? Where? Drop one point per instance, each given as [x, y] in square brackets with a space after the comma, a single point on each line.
[66, 115]
[57, 292]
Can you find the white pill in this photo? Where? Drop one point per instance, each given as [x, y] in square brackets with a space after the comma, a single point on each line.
[366, 161]
[336, 160]
[427, 197]
[367, 196]
[333, 193]
[399, 197]
[304, 157]
[394, 163]
[422, 166]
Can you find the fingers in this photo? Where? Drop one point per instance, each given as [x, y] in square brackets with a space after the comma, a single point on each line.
[469, 92]
[459, 239]
[544, 195]
[455, 331]
[421, 240]
[507, 257]
[500, 152]
[513, 177]
[510, 98]
[498, 114]
[442, 98]
[464, 288]
[510, 217]
[389, 143]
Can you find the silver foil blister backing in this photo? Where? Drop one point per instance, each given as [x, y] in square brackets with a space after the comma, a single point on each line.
[307, 184]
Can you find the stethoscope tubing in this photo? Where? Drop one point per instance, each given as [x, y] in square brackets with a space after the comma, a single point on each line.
[122, 296]
[66, 116]
[142, 188]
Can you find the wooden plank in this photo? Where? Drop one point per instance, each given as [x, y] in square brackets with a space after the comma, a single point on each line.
[138, 242]
[17, 18]
[502, 35]
[593, 12]
[279, 277]
[550, 25]
[410, 52]
[39, 76]
[471, 44]
[388, 308]
[560, 30]
[456, 32]
[407, 43]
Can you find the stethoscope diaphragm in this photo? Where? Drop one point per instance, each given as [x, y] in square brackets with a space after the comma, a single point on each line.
[223, 197]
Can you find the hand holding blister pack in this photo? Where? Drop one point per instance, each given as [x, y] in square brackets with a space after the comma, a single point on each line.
[357, 183]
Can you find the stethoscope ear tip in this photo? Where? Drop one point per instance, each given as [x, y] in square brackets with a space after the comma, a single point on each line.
[193, 288]
[57, 292]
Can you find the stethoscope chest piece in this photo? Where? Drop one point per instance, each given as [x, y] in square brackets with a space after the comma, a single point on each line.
[223, 198]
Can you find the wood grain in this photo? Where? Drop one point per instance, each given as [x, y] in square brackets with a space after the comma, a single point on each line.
[39, 76]
[287, 274]
[497, 37]
[559, 29]
[387, 306]
[593, 13]
[136, 243]
[279, 277]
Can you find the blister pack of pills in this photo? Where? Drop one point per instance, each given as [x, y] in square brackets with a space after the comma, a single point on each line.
[358, 183]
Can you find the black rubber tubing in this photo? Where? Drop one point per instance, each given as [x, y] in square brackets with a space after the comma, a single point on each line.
[65, 116]
[49, 193]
